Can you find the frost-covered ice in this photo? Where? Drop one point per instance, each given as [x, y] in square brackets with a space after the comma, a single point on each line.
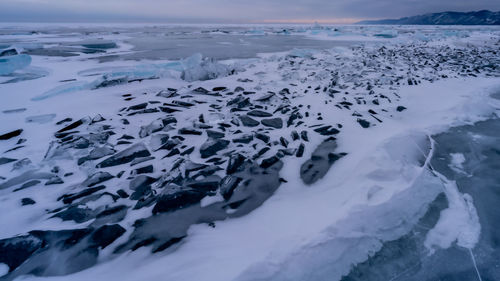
[252, 153]
[458, 223]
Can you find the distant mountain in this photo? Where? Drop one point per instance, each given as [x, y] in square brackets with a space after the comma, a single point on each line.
[483, 17]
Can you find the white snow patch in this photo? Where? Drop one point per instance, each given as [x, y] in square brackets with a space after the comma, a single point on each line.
[209, 200]
[457, 161]
[458, 223]
[4, 269]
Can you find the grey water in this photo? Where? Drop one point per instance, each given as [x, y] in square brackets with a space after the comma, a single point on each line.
[407, 259]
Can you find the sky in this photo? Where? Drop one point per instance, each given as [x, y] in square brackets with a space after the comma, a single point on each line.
[228, 11]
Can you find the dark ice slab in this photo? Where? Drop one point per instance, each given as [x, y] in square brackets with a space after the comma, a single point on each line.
[125, 156]
[75, 250]
[321, 160]
[11, 134]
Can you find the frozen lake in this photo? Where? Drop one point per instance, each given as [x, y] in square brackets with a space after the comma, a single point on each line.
[249, 152]
[171, 42]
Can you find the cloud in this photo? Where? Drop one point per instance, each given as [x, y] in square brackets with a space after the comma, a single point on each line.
[228, 10]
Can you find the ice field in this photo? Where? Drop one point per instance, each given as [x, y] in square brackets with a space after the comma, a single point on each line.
[249, 152]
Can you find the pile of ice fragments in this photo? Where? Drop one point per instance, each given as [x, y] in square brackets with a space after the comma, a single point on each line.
[204, 155]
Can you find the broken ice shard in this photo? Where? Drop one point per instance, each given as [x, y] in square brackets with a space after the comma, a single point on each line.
[9, 64]
[208, 69]
[98, 44]
[387, 34]
[63, 89]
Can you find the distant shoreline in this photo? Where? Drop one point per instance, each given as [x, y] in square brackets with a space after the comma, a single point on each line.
[483, 17]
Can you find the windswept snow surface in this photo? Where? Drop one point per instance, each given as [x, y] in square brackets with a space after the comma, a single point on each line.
[303, 162]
